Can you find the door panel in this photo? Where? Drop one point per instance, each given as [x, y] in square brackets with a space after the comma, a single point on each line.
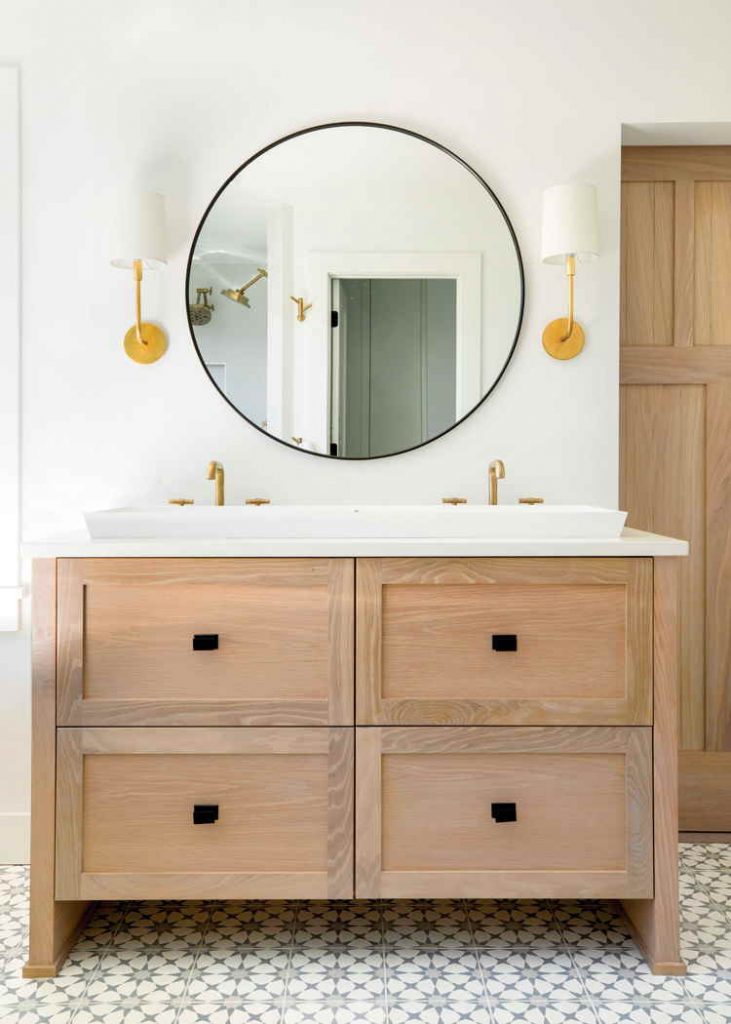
[675, 437]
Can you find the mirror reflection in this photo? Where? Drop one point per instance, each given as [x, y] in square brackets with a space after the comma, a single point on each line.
[355, 290]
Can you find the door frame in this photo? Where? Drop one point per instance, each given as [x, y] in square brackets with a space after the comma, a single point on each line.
[313, 403]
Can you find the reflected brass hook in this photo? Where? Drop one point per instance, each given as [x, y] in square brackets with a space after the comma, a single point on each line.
[301, 307]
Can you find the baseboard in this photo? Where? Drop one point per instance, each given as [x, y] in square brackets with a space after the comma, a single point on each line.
[14, 838]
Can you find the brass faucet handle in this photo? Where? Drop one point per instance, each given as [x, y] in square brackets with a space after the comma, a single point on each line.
[530, 501]
[181, 501]
[258, 501]
[454, 501]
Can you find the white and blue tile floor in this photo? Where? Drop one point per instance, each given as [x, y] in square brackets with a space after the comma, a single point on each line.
[397, 962]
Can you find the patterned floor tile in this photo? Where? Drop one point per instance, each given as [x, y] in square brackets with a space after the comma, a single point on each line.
[587, 924]
[513, 922]
[648, 1013]
[415, 974]
[229, 975]
[717, 1014]
[371, 962]
[337, 923]
[435, 1013]
[137, 1013]
[348, 973]
[544, 1013]
[426, 923]
[625, 978]
[325, 1013]
[152, 975]
[218, 1013]
[251, 924]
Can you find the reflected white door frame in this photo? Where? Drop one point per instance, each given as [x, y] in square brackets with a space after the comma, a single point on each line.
[313, 389]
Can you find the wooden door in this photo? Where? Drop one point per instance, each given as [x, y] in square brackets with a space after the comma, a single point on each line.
[675, 461]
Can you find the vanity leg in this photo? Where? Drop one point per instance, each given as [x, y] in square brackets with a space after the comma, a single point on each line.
[53, 926]
[656, 922]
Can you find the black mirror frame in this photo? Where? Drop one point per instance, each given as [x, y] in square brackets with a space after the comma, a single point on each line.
[413, 135]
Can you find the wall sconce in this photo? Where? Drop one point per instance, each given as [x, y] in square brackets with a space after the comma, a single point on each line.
[143, 247]
[570, 233]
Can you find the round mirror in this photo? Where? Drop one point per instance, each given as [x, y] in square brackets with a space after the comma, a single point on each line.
[355, 290]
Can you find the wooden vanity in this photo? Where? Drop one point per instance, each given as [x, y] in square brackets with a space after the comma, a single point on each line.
[355, 727]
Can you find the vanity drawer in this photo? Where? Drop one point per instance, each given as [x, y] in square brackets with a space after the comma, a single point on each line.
[205, 641]
[434, 810]
[135, 810]
[508, 641]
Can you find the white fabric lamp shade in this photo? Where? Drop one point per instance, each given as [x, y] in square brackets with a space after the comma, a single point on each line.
[570, 223]
[142, 232]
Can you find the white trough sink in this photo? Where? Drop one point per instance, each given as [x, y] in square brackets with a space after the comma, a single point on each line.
[310, 522]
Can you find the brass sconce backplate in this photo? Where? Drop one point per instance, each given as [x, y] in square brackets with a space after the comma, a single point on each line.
[563, 342]
[153, 345]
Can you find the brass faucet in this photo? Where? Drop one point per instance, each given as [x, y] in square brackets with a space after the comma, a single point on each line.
[215, 472]
[495, 472]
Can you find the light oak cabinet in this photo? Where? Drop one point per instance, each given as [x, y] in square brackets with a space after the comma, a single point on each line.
[212, 641]
[504, 641]
[495, 812]
[204, 813]
[337, 728]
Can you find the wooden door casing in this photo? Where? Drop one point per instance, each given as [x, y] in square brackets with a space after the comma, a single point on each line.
[675, 436]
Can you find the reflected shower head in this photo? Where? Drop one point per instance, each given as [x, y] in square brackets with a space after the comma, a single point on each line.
[238, 294]
[200, 312]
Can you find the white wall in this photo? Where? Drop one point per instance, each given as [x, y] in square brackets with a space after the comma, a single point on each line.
[531, 93]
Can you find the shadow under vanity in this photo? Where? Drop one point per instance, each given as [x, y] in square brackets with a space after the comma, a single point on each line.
[500, 724]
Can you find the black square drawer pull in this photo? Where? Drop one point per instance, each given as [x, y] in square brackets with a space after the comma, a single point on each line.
[504, 642]
[205, 641]
[205, 814]
[503, 812]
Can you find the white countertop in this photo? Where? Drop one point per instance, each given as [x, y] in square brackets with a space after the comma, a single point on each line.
[79, 545]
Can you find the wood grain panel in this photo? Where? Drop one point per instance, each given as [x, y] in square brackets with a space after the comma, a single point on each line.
[647, 263]
[285, 641]
[675, 450]
[285, 814]
[718, 566]
[424, 641]
[712, 263]
[583, 800]
[656, 921]
[662, 484]
[705, 791]
[675, 365]
[53, 925]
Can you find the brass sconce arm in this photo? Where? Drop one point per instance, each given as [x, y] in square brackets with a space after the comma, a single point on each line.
[137, 271]
[571, 275]
[143, 342]
[564, 338]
